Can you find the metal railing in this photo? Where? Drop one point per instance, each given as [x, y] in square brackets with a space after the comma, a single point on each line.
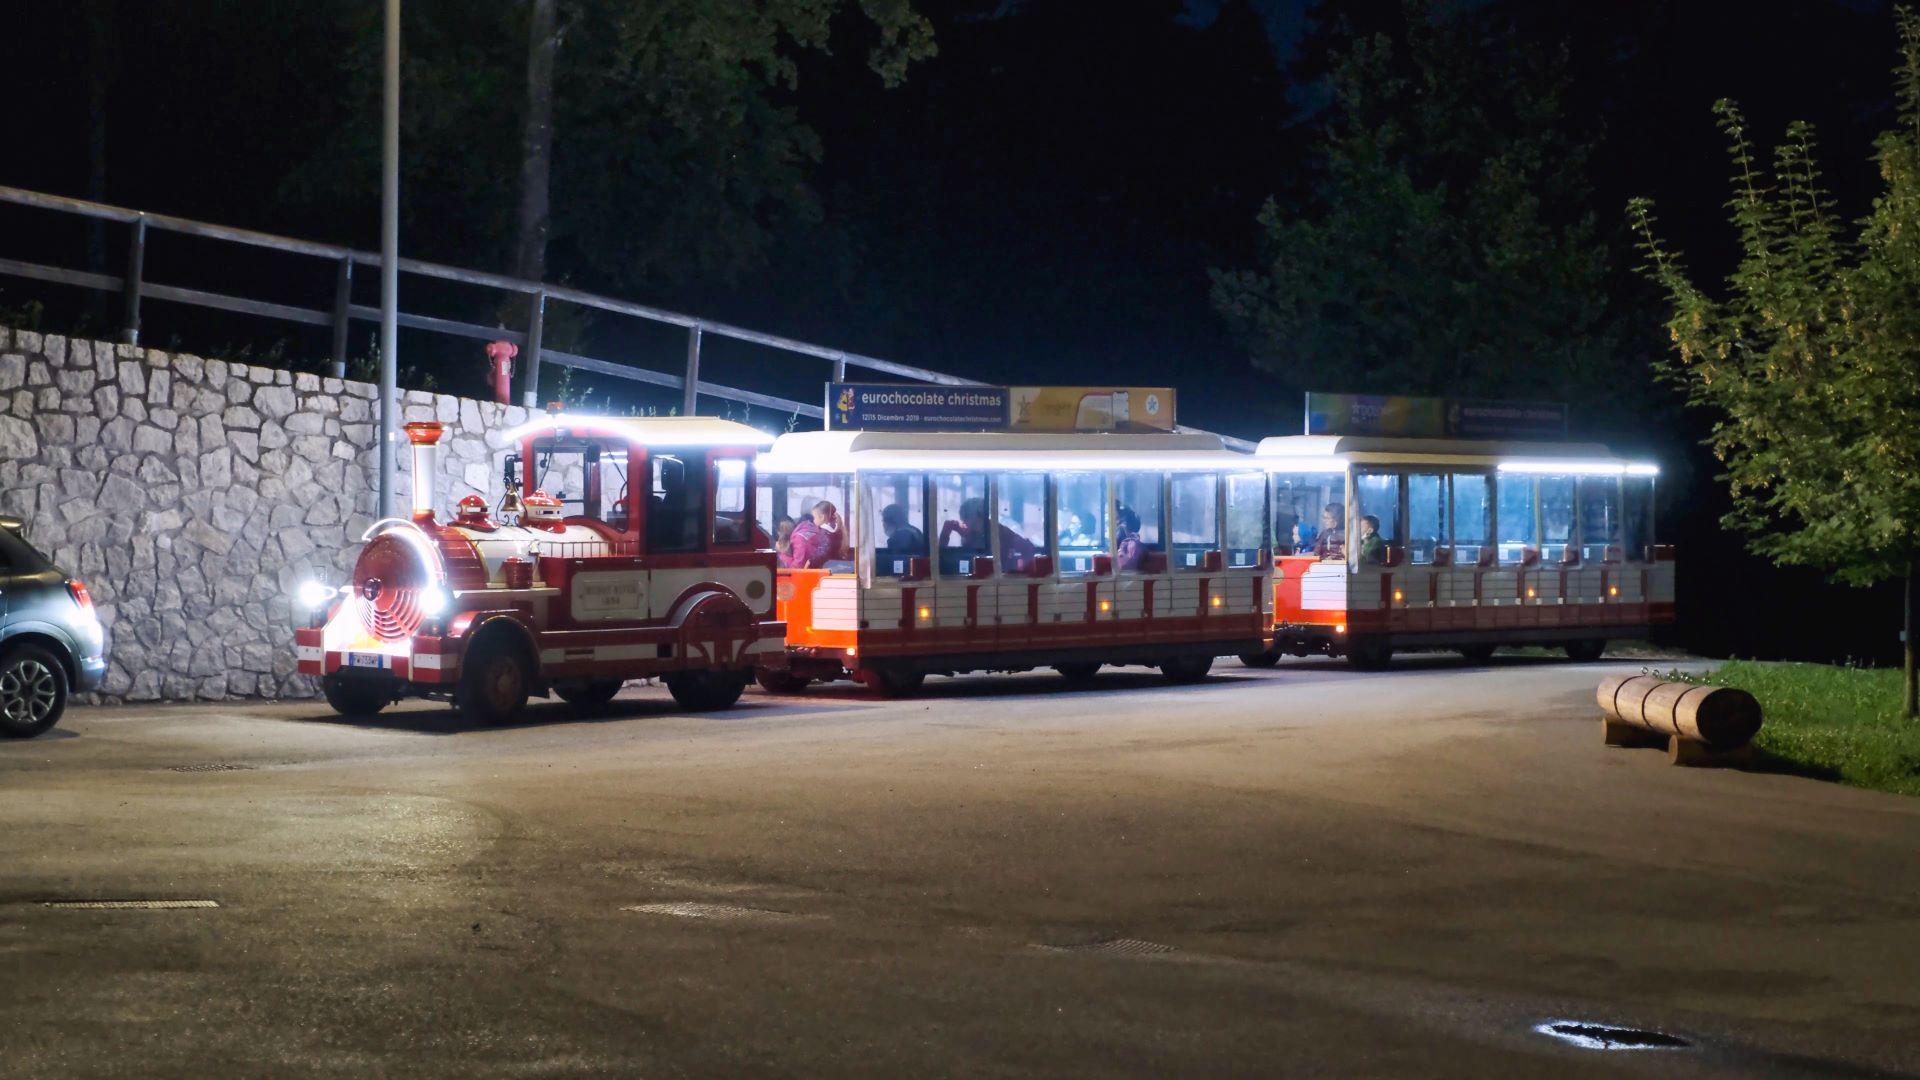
[135, 289]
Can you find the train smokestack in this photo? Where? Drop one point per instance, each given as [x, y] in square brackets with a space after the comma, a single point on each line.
[424, 435]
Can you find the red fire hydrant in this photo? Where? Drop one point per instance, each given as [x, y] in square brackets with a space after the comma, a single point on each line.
[502, 354]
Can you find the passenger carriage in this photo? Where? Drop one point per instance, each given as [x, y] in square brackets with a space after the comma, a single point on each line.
[958, 552]
[1481, 544]
[620, 548]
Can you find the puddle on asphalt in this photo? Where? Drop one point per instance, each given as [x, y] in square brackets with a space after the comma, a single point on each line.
[1594, 1036]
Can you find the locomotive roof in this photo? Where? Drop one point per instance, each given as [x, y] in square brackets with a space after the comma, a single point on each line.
[648, 430]
[869, 451]
[1333, 451]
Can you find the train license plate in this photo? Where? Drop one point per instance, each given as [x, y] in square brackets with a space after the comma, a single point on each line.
[367, 660]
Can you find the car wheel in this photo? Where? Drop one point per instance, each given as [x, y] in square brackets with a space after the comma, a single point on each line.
[893, 683]
[355, 697]
[1370, 655]
[706, 690]
[590, 695]
[780, 682]
[493, 681]
[33, 691]
[1585, 652]
[1078, 674]
[1260, 659]
[1476, 654]
[1187, 669]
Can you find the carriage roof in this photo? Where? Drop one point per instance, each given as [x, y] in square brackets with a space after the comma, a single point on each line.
[647, 430]
[886, 451]
[1334, 452]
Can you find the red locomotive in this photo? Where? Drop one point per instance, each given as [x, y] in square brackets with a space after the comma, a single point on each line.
[643, 562]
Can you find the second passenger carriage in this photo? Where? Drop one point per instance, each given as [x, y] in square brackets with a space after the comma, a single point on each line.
[906, 554]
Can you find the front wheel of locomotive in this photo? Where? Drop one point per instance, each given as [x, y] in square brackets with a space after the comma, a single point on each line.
[493, 681]
[707, 690]
[355, 697]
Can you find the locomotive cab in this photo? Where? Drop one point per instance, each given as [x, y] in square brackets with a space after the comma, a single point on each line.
[621, 548]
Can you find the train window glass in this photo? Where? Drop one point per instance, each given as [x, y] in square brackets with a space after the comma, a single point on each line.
[1556, 517]
[677, 503]
[794, 495]
[1426, 516]
[1310, 514]
[1138, 514]
[562, 470]
[1469, 516]
[960, 502]
[1636, 516]
[897, 503]
[730, 524]
[1246, 524]
[1376, 496]
[1514, 521]
[610, 492]
[1599, 516]
[1022, 512]
[1196, 519]
[1080, 520]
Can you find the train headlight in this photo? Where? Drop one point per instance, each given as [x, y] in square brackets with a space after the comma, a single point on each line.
[312, 594]
[434, 601]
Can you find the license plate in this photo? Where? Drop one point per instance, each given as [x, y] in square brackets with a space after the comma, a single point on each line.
[361, 659]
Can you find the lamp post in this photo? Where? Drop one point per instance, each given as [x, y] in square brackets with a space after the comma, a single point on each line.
[389, 262]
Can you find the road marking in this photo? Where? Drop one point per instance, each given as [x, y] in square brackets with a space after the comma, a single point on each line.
[129, 905]
[716, 912]
[1589, 1035]
[1116, 946]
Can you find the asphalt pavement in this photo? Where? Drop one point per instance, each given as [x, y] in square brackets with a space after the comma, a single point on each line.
[1303, 871]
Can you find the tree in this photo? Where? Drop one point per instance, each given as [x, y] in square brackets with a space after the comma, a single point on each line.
[1810, 361]
[1444, 244]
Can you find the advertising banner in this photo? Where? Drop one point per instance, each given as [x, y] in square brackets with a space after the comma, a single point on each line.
[1434, 418]
[916, 407]
[1092, 408]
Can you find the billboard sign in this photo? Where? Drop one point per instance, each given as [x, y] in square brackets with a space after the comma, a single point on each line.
[1092, 408]
[1434, 418]
[916, 407]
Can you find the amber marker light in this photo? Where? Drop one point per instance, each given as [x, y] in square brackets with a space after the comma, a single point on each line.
[1216, 601]
[926, 613]
[1613, 590]
[1340, 629]
[1398, 596]
[1106, 605]
[1529, 594]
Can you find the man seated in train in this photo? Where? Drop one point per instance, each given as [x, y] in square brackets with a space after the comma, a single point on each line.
[1372, 549]
[815, 540]
[1073, 531]
[1332, 541]
[1016, 551]
[904, 539]
[1128, 551]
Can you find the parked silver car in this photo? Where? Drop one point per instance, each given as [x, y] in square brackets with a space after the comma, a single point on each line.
[51, 641]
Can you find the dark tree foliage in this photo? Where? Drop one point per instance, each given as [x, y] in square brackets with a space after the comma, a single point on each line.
[1445, 243]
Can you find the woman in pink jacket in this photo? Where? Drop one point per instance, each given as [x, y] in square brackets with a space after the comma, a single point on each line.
[815, 540]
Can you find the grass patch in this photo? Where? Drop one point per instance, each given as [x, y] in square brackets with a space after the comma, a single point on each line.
[1838, 723]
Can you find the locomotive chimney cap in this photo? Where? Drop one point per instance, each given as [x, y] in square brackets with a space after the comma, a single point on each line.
[424, 432]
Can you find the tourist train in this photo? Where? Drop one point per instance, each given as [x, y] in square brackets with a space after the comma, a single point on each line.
[705, 553]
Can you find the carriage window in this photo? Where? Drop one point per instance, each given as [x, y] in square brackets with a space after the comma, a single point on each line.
[1636, 516]
[1080, 520]
[960, 502]
[1556, 517]
[1469, 516]
[1246, 519]
[676, 508]
[897, 505]
[1599, 517]
[730, 525]
[1310, 514]
[610, 490]
[564, 469]
[1514, 521]
[1426, 516]
[1196, 519]
[1138, 514]
[1023, 520]
[789, 498]
[1376, 496]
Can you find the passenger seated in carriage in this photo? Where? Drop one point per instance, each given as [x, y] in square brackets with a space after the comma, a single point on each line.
[904, 539]
[815, 540]
[1332, 541]
[1016, 551]
[1129, 551]
[1373, 550]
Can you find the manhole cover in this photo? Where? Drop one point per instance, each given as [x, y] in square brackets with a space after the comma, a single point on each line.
[1591, 1036]
[214, 766]
[716, 912]
[130, 905]
[1117, 946]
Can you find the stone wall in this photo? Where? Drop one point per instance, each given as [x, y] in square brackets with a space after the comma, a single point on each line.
[193, 496]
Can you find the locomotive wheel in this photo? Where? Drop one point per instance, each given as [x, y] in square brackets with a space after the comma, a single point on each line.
[1370, 655]
[706, 690]
[493, 683]
[355, 697]
[1477, 654]
[1078, 674]
[780, 682]
[1260, 659]
[1586, 651]
[33, 691]
[1187, 669]
[587, 696]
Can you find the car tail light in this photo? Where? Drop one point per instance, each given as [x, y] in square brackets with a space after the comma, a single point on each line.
[80, 595]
